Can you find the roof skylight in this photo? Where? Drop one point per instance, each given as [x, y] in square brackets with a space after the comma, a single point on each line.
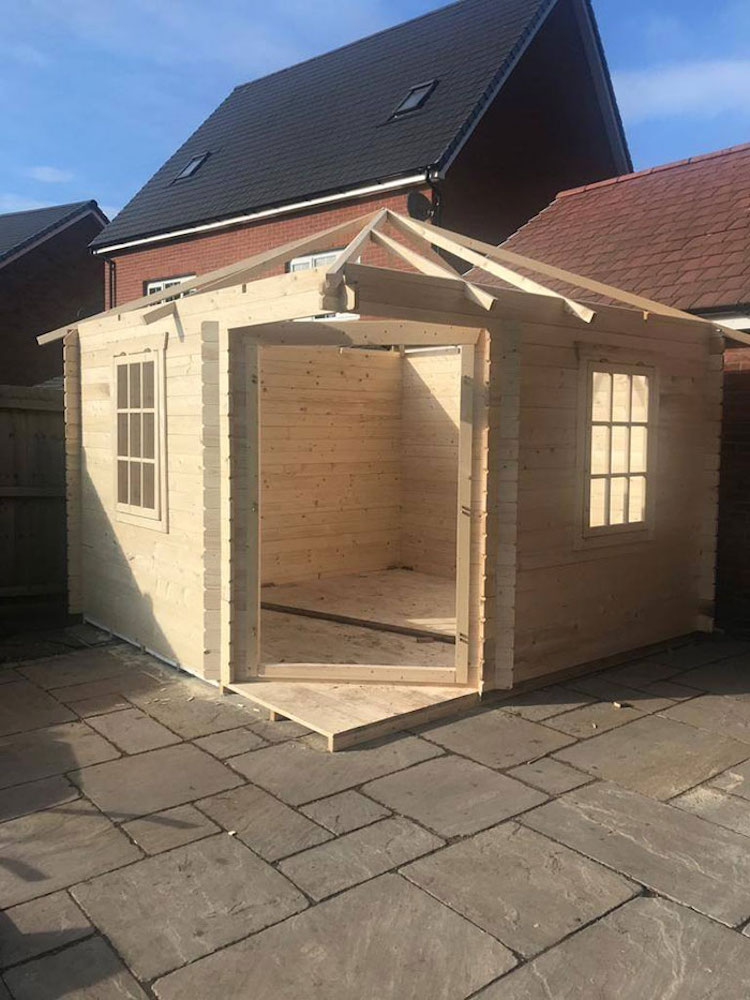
[194, 164]
[415, 99]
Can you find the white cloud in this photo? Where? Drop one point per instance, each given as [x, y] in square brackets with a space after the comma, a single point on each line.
[48, 175]
[19, 203]
[704, 89]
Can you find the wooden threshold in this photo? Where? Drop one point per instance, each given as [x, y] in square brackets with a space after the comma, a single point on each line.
[350, 714]
[358, 673]
[377, 626]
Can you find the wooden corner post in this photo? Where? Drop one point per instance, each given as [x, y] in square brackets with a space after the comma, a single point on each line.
[73, 467]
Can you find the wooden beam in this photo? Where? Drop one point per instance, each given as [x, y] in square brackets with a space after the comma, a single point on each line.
[160, 312]
[335, 273]
[361, 333]
[463, 532]
[427, 266]
[441, 238]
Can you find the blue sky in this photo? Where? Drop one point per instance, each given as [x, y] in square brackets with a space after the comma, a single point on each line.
[95, 94]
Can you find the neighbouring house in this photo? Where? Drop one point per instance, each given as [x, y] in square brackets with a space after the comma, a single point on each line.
[679, 233]
[475, 115]
[47, 277]
[522, 487]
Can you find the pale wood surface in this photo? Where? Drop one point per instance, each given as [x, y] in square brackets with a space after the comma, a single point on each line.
[349, 714]
[391, 597]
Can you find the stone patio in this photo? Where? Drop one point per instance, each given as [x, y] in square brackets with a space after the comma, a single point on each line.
[590, 839]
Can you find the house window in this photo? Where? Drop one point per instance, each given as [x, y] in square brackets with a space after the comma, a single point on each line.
[160, 284]
[192, 166]
[414, 100]
[138, 435]
[313, 260]
[617, 467]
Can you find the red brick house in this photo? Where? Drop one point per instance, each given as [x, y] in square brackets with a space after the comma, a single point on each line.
[47, 277]
[474, 115]
[679, 234]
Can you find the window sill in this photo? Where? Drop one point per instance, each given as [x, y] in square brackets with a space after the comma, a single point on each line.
[153, 523]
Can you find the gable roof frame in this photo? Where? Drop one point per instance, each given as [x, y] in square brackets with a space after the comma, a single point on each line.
[80, 210]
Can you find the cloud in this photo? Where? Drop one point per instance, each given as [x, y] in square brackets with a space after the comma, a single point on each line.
[702, 89]
[48, 175]
[19, 203]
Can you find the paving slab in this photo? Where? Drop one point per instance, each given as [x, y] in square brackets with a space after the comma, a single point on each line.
[718, 713]
[656, 756]
[296, 773]
[50, 850]
[231, 743]
[550, 775]
[151, 782]
[101, 705]
[192, 709]
[639, 673]
[519, 886]
[717, 807]
[384, 939]
[544, 703]
[4, 995]
[133, 731]
[452, 796]
[678, 855]
[265, 824]
[671, 689]
[345, 812]
[735, 780]
[73, 668]
[358, 856]
[34, 796]
[175, 907]
[172, 828]
[89, 970]
[612, 691]
[279, 732]
[708, 650]
[24, 706]
[39, 926]
[496, 739]
[30, 756]
[596, 718]
[649, 949]
[134, 683]
[730, 676]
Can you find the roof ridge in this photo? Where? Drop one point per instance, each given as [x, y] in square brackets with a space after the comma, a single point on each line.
[659, 168]
[348, 45]
[46, 208]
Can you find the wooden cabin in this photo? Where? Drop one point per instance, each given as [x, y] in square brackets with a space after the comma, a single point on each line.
[364, 496]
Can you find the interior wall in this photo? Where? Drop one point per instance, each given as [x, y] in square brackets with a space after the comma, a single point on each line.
[429, 461]
[330, 466]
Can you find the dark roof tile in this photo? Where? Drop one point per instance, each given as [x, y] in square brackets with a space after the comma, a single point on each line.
[19, 229]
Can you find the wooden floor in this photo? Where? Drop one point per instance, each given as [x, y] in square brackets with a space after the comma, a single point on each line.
[350, 714]
[396, 597]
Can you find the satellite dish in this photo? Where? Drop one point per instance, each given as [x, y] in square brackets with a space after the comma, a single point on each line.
[419, 206]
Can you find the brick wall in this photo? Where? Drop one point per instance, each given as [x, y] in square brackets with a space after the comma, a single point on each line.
[198, 254]
[733, 556]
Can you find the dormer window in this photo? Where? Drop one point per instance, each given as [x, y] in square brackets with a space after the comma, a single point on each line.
[192, 166]
[414, 100]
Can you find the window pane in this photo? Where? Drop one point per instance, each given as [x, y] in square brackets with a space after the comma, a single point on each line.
[135, 385]
[640, 398]
[122, 434]
[638, 449]
[122, 386]
[601, 407]
[148, 384]
[300, 265]
[637, 499]
[122, 482]
[620, 442]
[148, 435]
[148, 485]
[618, 496]
[135, 484]
[620, 397]
[598, 503]
[599, 450]
[135, 435]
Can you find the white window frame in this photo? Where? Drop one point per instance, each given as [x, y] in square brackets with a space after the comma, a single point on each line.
[634, 530]
[149, 349]
[160, 284]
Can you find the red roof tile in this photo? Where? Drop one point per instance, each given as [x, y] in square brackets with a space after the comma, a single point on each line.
[682, 228]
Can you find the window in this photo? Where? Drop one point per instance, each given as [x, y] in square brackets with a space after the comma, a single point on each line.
[138, 435]
[160, 284]
[415, 99]
[617, 467]
[192, 166]
[319, 260]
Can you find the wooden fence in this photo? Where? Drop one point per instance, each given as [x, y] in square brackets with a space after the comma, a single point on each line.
[32, 493]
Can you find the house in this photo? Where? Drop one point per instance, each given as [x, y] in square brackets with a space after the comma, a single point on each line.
[474, 115]
[679, 233]
[361, 538]
[47, 277]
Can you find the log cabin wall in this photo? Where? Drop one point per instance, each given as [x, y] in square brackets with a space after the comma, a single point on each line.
[577, 602]
[429, 461]
[331, 442]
